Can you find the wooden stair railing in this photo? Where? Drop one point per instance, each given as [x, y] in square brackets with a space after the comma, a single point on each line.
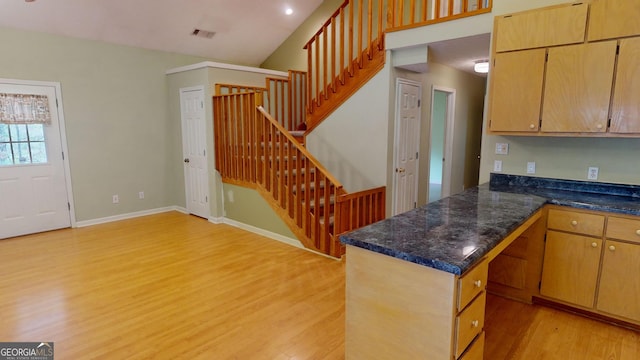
[284, 99]
[349, 48]
[256, 151]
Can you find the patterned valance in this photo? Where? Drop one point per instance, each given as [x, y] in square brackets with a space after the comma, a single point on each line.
[24, 109]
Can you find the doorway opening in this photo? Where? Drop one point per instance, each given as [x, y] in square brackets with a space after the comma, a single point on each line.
[441, 142]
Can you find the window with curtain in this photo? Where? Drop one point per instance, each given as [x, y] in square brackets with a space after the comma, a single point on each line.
[22, 121]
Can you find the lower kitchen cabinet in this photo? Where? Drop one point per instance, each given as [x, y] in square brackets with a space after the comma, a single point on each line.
[598, 274]
[570, 268]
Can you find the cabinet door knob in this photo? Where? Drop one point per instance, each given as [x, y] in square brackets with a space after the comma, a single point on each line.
[477, 283]
[638, 232]
[532, 126]
[599, 126]
[594, 244]
[574, 222]
[475, 323]
[612, 248]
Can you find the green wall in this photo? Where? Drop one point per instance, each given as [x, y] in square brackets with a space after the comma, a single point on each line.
[290, 55]
[119, 137]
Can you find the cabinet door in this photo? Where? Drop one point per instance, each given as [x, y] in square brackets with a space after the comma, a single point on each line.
[613, 19]
[558, 25]
[570, 268]
[625, 111]
[619, 282]
[516, 92]
[578, 88]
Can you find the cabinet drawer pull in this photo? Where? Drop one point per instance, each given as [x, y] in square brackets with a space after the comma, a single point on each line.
[612, 248]
[477, 283]
[594, 244]
[574, 222]
[475, 323]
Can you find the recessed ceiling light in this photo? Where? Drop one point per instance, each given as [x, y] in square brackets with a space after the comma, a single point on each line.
[29, 0]
[288, 11]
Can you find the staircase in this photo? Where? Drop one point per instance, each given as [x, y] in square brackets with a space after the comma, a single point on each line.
[255, 151]
[259, 131]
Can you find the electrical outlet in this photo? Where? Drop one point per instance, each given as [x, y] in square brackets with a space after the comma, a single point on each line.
[116, 199]
[141, 195]
[531, 167]
[497, 166]
[592, 173]
[502, 148]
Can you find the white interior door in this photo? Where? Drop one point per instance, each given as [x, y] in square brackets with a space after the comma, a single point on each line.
[194, 146]
[407, 145]
[33, 185]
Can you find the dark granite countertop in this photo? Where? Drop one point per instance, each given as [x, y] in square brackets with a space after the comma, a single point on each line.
[451, 234]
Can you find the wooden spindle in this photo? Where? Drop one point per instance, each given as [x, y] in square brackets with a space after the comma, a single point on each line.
[400, 13]
[325, 65]
[309, 81]
[342, 45]
[350, 43]
[333, 54]
[360, 31]
[317, 71]
[370, 29]
[412, 11]
[380, 29]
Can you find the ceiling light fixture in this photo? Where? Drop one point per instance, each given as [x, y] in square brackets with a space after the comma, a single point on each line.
[288, 11]
[481, 66]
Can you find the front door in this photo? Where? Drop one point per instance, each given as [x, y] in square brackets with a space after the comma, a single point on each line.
[33, 188]
[407, 144]
[194, 146]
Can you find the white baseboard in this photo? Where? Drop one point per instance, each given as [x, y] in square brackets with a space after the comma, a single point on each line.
[213, 220]
[263, 232]
[132, 215]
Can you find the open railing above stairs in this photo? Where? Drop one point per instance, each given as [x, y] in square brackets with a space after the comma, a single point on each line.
[256, 151]
[349, 48]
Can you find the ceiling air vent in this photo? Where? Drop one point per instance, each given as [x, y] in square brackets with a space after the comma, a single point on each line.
[203, 33]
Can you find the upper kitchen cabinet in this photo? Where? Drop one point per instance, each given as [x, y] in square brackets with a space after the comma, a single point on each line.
[611, 19]
[625, 109]
[558, 25]
[578, 88]
[517, 78]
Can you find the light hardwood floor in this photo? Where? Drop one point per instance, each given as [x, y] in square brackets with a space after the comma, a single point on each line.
[173, 286]
[170, 286]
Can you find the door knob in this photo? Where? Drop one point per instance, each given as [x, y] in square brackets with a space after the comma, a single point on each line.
[400, 170]
[186, 160]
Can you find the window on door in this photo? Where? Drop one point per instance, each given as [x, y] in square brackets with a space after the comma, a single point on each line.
[22, 144]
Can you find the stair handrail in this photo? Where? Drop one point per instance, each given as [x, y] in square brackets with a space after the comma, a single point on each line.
[301, 148]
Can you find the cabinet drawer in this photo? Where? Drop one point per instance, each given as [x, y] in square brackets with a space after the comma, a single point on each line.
[476, 350]
[623, 229]
[470, 323]
[576, 222]
[472, 283]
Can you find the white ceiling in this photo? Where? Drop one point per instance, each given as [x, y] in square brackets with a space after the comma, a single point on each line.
[461, 53]
[247, 31]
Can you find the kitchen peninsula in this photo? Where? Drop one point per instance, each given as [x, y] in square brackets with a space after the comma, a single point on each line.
[416, 282]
